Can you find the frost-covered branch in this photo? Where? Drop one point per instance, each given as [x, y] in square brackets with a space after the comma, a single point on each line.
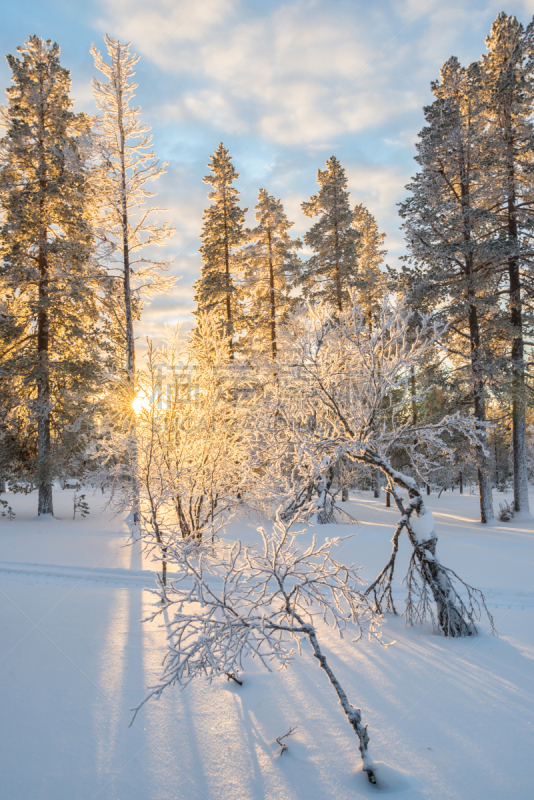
[226, 602]
[347, 396]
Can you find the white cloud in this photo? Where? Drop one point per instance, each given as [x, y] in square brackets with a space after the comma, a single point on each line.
[295, 70]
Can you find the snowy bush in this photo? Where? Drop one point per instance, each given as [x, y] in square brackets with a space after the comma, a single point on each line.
[506, 511]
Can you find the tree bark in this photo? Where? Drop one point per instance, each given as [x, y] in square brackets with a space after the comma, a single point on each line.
[453, 617]
[272, 299]
[127, 291]
[376, 483]
[44, 455]
[519, 425]
[354, 715]
[479, 402]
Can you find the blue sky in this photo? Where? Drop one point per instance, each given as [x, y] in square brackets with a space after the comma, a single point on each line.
[283, 84]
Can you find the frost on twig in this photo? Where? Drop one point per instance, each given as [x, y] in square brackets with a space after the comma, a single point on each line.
[429, 583]
[226, 602]
[280, 739]
[347, 398]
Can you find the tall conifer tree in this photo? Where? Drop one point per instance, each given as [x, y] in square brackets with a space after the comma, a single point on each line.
[222, 234]
[509, 98]
[272, 269]
[448, 224]
[332, 271]
[49, 329]
[371, 281]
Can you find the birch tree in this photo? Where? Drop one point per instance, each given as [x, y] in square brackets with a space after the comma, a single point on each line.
[127, 165]
[190, 443]
[356, 388]
[229, 602]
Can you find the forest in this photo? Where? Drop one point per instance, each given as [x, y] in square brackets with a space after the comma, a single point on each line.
[314, 372]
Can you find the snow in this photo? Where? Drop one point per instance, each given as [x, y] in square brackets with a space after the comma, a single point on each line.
[423, 526]
[448, 719]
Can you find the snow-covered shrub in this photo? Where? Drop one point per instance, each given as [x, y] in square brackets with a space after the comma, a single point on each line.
[176, 456]
[506, 511]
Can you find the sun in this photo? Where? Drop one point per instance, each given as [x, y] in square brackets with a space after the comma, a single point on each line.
[140, 403]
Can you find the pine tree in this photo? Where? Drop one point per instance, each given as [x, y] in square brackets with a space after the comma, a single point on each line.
[448, 224]
[127, 164]
[509, 95]
[222, 234]
[272, 269]
[371, 282]
[49, 323]
[332, 271]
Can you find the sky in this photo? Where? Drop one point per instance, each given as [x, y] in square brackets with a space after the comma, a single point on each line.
[284, 85]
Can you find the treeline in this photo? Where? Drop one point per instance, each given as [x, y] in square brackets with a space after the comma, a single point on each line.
[253, 277]
[77, 215]
[468, 226]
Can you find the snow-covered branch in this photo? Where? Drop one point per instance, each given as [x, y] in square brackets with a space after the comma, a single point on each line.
[228, 602]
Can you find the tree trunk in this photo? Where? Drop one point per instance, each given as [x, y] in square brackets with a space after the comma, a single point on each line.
[354, 715]
[272, 299]
[461, 482]
[376, 483]
[227, 278]
[44, 454]
[519, 426]
[388, 498]
[454, 617]
[479, 401]
[127, 294]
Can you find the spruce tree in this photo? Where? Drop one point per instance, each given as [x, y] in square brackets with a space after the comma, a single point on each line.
[449, 224]
[222, 234]
[49, 326]
[371, 281]
[509, 97]
[272, 269]
[331, 272]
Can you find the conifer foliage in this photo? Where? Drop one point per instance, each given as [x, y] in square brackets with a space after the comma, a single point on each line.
[272, 269]
[48, 281]
[222, 234]
[330, 273]
[446, 223]
[508, 70]
[371, 280]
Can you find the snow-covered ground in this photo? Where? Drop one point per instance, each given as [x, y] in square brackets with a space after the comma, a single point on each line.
[447, 719]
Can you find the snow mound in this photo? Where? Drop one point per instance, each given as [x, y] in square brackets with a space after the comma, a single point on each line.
[389, 780]
[423, 526]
